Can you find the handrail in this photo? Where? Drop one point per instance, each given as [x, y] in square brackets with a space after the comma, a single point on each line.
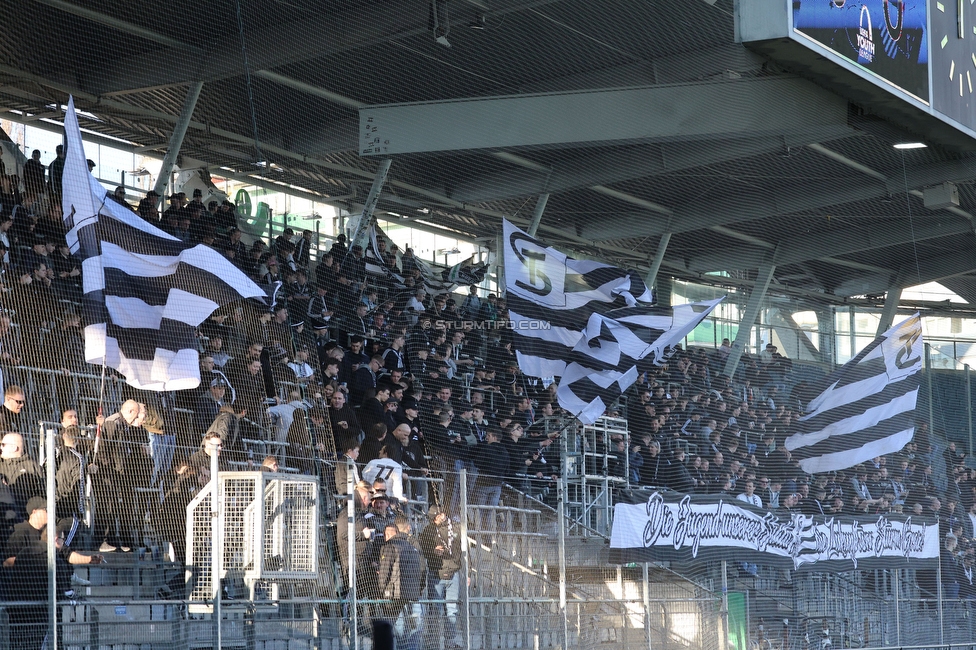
[549, 508]
[524, 511]
[80, 375]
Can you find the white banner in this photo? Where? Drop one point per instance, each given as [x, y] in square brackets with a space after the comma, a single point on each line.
[673, 526]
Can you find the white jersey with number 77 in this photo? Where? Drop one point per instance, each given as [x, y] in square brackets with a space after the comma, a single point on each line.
[388, 470]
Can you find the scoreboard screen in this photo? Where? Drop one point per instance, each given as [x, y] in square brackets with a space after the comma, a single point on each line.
[910, 62]
[887, 39]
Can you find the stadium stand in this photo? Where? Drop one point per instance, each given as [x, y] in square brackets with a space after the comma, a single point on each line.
[363, 446]
[455, 401]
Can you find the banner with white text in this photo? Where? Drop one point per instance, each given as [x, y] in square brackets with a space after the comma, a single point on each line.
[679, 527]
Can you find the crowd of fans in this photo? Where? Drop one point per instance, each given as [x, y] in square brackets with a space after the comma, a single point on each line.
[373, 384]
[411, 386]
[703, 433]
[694, 430]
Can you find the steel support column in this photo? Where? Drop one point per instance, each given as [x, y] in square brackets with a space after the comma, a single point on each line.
[724, 641]
[645, 591]
[540, 207]
[561, 486]
[969, 405]
[52, 579]
[939, 604]
[465, 594]
[756, 298]
[896, 589]
[217, 548]
[662, 248]
[370, 206]
[350, 550]
[892, 298]
[176, 140]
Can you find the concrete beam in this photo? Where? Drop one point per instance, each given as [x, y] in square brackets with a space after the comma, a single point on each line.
[762, 106]
[662, 247]
[819, 246]
[748, 205]
[931, 269]
[725, 61]
[270, 46]
[759, 204]
[614, 167]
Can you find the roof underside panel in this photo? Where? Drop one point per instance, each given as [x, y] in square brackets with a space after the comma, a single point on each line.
[833, 203]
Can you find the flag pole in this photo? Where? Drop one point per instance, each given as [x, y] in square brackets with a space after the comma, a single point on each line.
[101, 400]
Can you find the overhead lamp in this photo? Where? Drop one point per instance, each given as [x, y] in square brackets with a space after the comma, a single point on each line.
[910, 145]
[478, 22]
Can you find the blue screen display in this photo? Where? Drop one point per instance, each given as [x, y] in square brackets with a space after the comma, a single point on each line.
[885, 37]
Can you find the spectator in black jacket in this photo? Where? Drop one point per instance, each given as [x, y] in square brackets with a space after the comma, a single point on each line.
[345, 424]
[652, 471]
[34, 174]
[411, 450]
[491, 459]
[372, 410]
[72, 467]
[364, 379]
[402, 575]
[376, 437]
[19, 471]
[172, 519]
[440, 542]
[13, 402]
[208, 405]
[679, 479]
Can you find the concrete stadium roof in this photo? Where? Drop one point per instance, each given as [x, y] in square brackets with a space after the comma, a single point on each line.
[641, 121]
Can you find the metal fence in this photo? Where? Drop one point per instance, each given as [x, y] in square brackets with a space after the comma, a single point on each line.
[534, 575]
[524, 583]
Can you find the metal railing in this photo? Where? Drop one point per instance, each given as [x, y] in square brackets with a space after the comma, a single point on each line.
[534, 578]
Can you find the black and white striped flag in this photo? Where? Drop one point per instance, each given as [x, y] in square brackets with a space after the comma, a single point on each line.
[373, 257]
[588, 323]
[865, 409]
[145, 292]
[465, 272]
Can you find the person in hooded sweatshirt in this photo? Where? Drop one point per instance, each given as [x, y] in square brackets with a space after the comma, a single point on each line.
[24, 476]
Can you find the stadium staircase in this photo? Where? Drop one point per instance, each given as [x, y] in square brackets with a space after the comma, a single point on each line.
[605, 606]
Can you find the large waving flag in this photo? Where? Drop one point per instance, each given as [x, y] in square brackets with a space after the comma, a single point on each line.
[865, 409]
[588, 323]
[465, 272]
[145, 292]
